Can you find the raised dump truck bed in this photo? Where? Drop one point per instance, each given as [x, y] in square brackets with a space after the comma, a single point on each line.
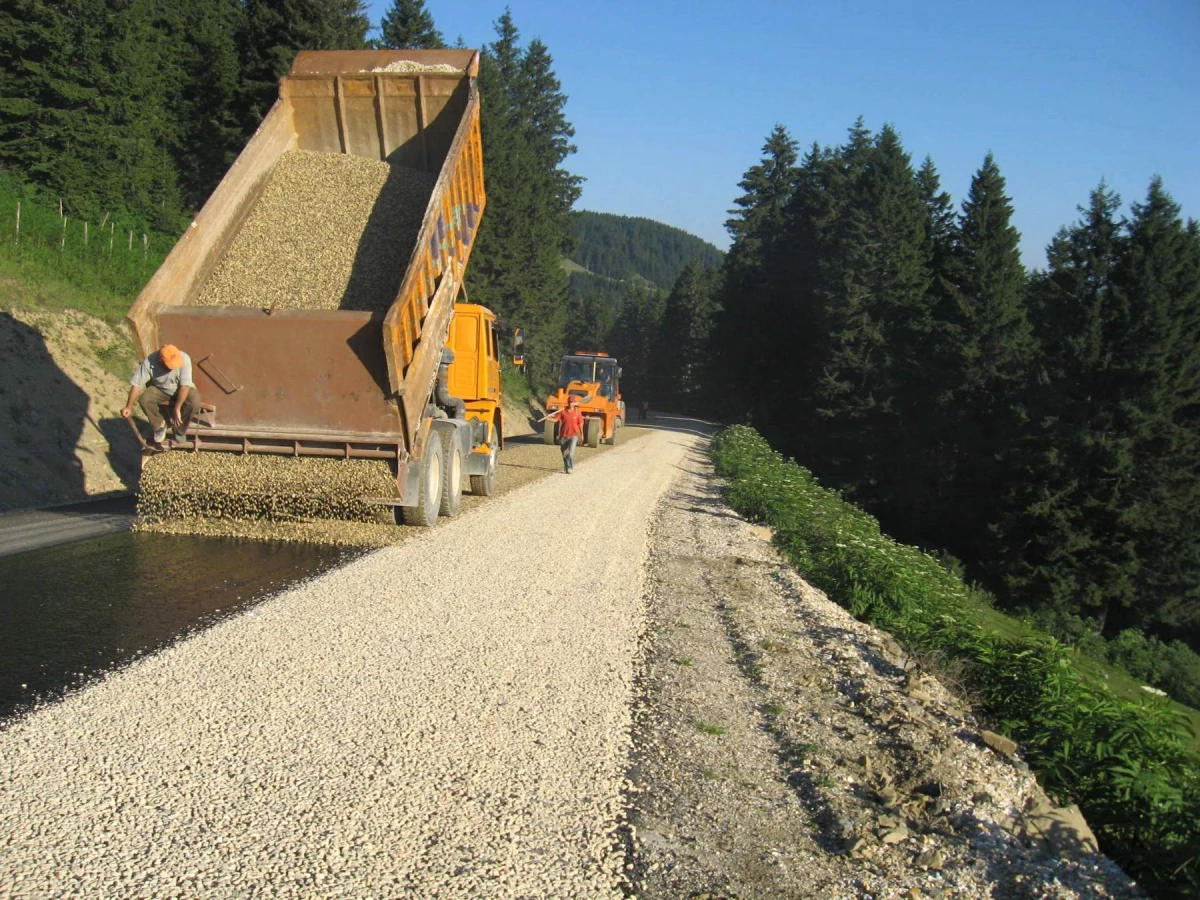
[314, 343]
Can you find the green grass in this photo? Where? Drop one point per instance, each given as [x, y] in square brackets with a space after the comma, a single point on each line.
[1124, 756]
[513, 384]
[48, 265]
[708, 728]
[569, 266]
[683, 661]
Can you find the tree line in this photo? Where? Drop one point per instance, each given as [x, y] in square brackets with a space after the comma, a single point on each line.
[135, 109]
[1044, 426]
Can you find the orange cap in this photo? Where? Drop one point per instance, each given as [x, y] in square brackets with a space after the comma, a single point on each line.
[171, 356]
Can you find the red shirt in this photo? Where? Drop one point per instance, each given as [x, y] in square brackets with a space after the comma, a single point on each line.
[570, 423]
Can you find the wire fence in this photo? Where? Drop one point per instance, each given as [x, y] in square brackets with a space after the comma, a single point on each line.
[111, 255]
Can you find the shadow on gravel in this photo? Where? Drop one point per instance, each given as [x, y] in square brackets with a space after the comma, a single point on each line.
[790, 754]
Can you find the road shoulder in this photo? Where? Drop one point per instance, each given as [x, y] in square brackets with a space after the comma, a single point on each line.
[783, 748]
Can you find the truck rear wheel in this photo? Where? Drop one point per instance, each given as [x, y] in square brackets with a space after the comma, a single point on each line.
[616, 431]
[485, 485]
[429, 487]
[591, 432]
[548, 432]
[452, 480]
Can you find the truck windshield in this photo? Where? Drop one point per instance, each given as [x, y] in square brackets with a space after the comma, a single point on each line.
[576, 368]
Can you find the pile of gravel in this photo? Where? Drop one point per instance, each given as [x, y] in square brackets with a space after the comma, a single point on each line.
[260, 488]
[412, 68]
[330, 231]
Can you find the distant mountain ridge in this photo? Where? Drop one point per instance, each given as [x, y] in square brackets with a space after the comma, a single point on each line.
[626, 248]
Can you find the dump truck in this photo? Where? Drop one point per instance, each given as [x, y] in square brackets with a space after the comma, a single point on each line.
[380, 360]
[595, 379]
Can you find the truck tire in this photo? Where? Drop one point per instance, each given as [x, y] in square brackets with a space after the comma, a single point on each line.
[548, 431]
[485, 485]
[616, 431]
[429, 487]
[452, 479]
[591, 431]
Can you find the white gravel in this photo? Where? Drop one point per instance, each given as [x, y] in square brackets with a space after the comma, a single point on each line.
[447, 717]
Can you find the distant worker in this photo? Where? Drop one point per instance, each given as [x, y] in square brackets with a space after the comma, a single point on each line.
[570, 429]
[643, 410]
[164, 383]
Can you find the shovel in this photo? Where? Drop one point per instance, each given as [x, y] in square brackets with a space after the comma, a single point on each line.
[146, 448]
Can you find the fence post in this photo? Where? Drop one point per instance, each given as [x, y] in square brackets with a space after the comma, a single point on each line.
[112, 232]
[62, 244]
[85, 232]
[17, 239]
[131, 240]
[145, 246]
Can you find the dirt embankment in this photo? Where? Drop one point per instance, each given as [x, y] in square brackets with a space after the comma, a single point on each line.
[61, 434]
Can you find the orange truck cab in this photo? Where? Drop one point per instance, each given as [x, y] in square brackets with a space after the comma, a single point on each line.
[595, 379]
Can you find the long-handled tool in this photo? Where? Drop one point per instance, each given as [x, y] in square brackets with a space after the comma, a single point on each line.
[146, 447]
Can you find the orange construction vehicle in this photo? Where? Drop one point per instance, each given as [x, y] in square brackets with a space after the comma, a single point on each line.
[595, 378]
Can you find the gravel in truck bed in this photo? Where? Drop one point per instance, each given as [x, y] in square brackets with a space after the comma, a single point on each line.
[330, 231]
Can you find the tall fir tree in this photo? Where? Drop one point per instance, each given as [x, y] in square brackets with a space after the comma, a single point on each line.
[408, 25]
[276, 30]
[634, 339]
[677, 375]
[739, 361]
[991, 350]
[516, 266]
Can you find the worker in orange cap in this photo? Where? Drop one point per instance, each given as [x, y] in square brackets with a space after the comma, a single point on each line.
[164, 382]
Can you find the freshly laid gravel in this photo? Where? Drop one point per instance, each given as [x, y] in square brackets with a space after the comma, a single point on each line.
[330, 231]
[449, 717]
[181, 485]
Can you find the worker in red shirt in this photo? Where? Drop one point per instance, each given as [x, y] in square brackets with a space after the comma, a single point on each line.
[570, 430]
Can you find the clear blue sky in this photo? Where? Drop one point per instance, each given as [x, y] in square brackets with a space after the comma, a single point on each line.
[671, 100]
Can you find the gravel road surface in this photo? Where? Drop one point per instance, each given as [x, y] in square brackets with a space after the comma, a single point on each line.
[447, 717]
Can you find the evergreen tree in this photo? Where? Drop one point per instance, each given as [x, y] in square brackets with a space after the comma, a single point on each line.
[88, 105]
[1060, 511]
[516, 264]
[741, 362]
[683, 338]
[408, 25]
[990, 347]
[276, 30]
[1105, 521]
[634, 339]
[865, 307]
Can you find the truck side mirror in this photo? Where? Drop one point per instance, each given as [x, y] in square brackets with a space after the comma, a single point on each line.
[519, 347]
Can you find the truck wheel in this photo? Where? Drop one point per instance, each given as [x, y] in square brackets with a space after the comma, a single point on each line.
[485, 485]
[429, 488]
[616, 431]
[592, 432]
[452, 481]
[548, 432]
